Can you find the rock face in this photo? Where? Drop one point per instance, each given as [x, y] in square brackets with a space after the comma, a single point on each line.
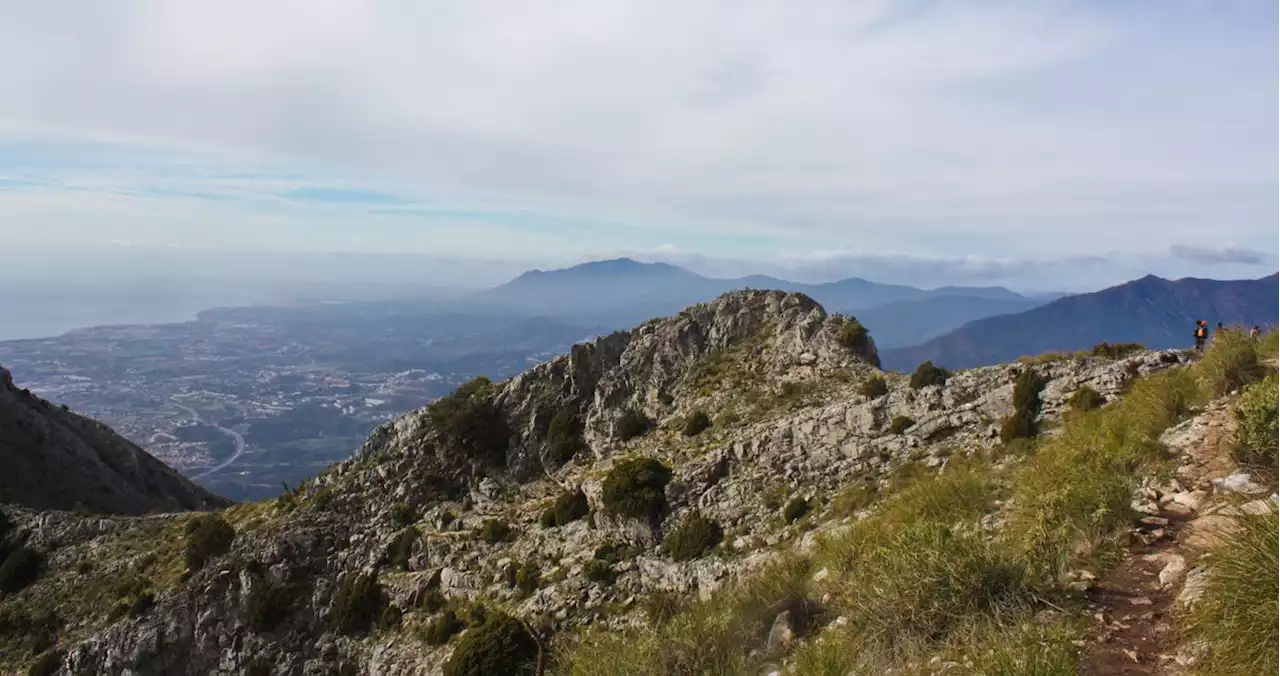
[55, 459]
[436, 526]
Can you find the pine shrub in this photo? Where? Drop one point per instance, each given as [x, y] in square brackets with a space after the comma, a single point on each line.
[500, 646]
[636, 488]
[569, 507]
[1026, 407]
[874, 388]
[357, 604]
[20, 568]
[632, 424]
[564, 436]
[927, 374]
[471, 421]
[795, 509]
[694, 537]
[208, 536]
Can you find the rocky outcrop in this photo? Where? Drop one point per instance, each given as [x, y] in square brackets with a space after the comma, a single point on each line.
[55, 459]
[770, 368]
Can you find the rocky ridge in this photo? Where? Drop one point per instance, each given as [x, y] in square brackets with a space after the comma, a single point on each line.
[782, 381]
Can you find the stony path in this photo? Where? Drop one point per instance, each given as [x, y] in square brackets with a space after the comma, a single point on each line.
[1135, 605]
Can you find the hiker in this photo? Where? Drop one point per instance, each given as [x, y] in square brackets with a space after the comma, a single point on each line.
[1255, 332]
[1202, 334]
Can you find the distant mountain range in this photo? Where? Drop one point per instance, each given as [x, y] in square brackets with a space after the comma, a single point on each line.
[624, 292]
[1156, 312]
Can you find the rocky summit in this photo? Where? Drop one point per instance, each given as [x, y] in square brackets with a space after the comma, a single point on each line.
[646, 467]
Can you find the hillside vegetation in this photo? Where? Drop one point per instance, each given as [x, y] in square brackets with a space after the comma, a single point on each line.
[732, 490]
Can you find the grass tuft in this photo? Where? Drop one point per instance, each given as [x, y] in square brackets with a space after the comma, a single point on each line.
[1238, 614]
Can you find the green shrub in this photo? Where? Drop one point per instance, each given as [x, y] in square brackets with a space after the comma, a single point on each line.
[599, 571]
[20, 568]
[695, 536]
[1026, 407]
[1237, 614]
[853, 336]
[696, 423]
[569, 507]
[1084, 399]
[444, 627]
[900, 424]
[357, 604]
[500, 646]
[208, 536]
[494, 531]
[401, 548]
[636, 488]
[402, 514]
[47, 664]
[927, 374]
[795, 509]
[470, 420]
[874, 388]
[527, 577]
[1116, 351]
[632, 424]
[1257, 420]
[564, 436]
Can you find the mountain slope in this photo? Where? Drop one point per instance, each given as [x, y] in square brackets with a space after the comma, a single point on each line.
[913, 322]
[55, 459]
[509, 496]
[1155, 312]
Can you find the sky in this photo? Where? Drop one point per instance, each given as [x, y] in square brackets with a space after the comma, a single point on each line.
[1039, 145]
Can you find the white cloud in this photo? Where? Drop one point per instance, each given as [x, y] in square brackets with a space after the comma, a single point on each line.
[982, 130]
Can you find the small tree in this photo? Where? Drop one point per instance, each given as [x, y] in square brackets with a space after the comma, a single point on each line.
[502, 645]
[564, 436]
[1026, 407]
[637, 488]
[874, 387]
[470, 420]
[208, 536]
[927, 374]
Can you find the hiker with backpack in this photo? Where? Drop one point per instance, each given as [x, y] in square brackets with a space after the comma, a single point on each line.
[1202, 334]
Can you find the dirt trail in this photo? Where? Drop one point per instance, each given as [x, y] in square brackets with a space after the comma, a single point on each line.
[1134, 605]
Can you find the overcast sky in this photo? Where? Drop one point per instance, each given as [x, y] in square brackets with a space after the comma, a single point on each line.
[1034, 144]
